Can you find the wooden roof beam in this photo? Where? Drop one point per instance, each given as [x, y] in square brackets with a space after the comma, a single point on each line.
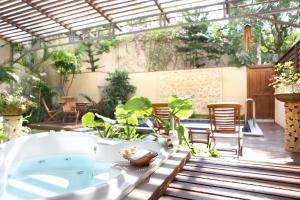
[6, 39]
[21, 28]
[29, 3]
[102, 13]
[276, 21]
[161, 10]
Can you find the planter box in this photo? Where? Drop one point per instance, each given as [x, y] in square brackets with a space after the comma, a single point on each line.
[292, 119]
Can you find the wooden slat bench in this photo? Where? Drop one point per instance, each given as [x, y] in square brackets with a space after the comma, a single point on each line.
[210, 178]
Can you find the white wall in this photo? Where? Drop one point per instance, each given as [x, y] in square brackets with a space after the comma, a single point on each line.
[5, 52]
[279, 113]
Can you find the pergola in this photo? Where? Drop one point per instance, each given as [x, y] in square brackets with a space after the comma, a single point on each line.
[46, 21]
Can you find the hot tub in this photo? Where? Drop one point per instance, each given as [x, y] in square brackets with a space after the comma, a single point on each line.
[70, 165]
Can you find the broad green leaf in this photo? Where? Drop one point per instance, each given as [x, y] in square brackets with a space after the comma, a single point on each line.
[88, 120]
[182, 108]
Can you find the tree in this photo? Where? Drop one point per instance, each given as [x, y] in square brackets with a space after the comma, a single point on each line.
[96, 49]
[66, 64]
[280, 37]
[197, 42]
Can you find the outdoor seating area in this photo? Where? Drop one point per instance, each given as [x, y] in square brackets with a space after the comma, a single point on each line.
[149, 99]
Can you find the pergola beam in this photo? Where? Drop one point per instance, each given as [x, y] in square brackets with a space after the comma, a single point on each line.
[102, 13]
[20, 27]
[6, 40]
[276, 21]
[29, 3]
[157, 3]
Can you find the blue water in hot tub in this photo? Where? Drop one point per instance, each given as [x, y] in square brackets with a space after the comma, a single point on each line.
[54, 175]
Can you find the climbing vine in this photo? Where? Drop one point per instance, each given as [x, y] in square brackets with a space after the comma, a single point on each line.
[159, 49]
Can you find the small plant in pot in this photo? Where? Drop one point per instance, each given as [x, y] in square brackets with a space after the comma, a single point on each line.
[12, 106]
[287, 79]
[286, 82]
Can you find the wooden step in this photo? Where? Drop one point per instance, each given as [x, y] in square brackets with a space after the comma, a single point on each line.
[248, 164]
[211, 178]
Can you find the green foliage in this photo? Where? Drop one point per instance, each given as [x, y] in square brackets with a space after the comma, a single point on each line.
[109, 130]
[33, 82]
[88, 120]
[93, 49]
[116, 92]
[159, 49]
[213, 152]
[207, 152]
[180, 107]
[127, 116]
[286, 75]
[134, 109]
[14, 102]
[66, 63]
[197, 42]
[7, 74]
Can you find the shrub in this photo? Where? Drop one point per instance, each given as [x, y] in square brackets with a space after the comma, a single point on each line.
[116, 92]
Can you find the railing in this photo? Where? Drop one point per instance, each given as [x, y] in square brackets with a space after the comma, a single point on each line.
[293, 54]
[253, 111]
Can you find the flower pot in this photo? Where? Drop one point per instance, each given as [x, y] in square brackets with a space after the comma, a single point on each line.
[12, 126]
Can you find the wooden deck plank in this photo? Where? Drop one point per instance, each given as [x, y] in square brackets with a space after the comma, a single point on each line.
[244, 169]
[192, 195]
[209, 178]
[243, 174]
[223, 192]
[229, 179]
[248, 164]
[257, 189]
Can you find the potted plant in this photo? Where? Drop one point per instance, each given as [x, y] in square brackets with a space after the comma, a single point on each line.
[287, 89]
[12, 106]
[286, 82]
[67, 64]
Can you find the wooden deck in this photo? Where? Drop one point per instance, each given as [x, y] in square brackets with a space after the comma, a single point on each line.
[55, 126]
[208, 178]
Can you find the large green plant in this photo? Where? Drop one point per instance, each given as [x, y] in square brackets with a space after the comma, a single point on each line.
[33, 62]
[116, 92]
[66, 64]
[127, 116]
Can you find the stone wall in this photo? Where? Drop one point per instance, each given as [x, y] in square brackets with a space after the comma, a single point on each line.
[206, 85]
